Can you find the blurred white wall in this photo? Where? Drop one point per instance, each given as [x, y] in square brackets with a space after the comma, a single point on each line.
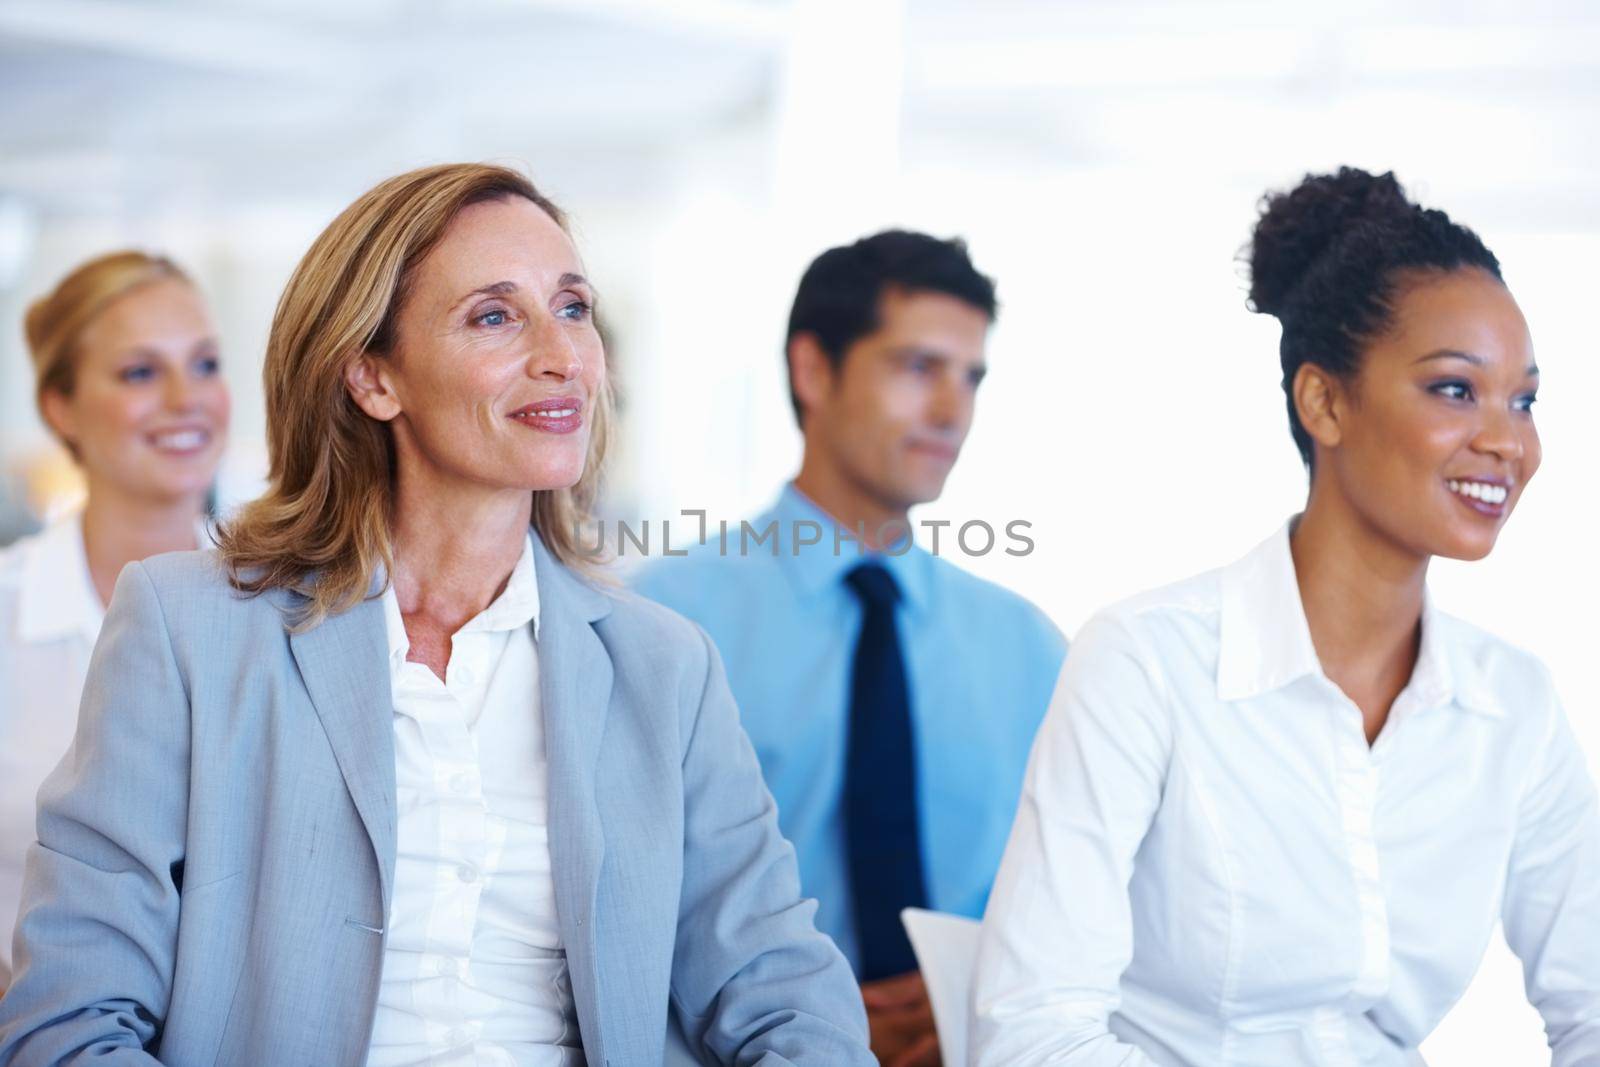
[1101, 158]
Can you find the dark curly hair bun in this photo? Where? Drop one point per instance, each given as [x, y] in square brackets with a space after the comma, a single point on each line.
[1329, 259]
[1299, 227]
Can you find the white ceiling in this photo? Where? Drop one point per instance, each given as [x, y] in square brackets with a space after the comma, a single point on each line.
[105, 104]
[115, 106]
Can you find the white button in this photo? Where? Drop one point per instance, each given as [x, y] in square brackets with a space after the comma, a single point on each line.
[464, 675]
[461, 782]
[446, 966]
[457, 1036]
[467, 873]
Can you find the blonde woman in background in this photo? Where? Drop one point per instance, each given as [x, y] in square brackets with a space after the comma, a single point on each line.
[126, 370]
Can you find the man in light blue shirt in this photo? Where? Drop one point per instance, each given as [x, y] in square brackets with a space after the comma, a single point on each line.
[892, 697]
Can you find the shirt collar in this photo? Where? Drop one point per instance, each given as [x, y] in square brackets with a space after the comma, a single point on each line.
[1266, 641]
[57, 597]
[1445, 672]
[837, 552]
[516, 606]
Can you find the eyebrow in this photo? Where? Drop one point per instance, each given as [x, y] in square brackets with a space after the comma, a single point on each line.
[507, 288]
[495, 289]
[1470, 357]
[144, 351]
[929, 352]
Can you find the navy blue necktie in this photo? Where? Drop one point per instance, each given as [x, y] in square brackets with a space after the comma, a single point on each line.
[880, 784]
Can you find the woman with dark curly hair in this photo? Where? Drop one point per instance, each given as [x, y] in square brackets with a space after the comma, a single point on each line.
[1275, 810]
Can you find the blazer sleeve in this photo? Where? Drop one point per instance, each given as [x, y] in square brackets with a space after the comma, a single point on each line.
[98, 926]
[752, 979]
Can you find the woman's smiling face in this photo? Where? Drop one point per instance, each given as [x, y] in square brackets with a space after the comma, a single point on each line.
[148, 409]
[1436, 439]
[496, 364]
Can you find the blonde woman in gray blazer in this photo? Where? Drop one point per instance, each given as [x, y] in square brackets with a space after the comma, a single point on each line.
[294, 828]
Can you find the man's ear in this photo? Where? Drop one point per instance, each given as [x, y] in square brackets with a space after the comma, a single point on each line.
[1321, 403]
[367, 382]
[811, 372]
[56, 408]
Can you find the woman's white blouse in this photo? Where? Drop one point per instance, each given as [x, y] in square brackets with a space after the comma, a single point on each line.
[49, 618]
[1210, 867]
[474, 972]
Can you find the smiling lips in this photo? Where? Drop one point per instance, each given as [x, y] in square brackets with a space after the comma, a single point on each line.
[180, 440]
[1485, 497]
[562, 414]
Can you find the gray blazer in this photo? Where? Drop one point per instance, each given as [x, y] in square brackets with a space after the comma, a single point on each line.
[216, 852]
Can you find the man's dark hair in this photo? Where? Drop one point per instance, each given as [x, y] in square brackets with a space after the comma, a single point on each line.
[842, 290]
[1329, 259]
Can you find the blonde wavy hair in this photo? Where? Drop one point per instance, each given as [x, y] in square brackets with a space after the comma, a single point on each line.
[323, 527]
[54, 324]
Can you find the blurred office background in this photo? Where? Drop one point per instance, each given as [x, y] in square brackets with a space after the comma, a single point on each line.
[1102, 157]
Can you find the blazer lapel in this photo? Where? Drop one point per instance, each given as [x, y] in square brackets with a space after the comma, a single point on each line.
[344, 661]
[575, 678]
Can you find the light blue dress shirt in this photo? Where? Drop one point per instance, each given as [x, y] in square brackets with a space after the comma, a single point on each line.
[981, 663]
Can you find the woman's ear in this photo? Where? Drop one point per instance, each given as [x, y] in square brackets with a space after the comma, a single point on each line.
[1319, 400]
[56, 407]
[368, 385]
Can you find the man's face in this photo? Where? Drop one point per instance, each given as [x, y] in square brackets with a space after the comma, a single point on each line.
[892, 417]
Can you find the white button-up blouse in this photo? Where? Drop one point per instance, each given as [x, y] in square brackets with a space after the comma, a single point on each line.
[1211, 868]
[474, 972]
[50, 616]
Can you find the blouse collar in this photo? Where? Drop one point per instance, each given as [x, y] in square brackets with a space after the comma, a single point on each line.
[1266, 641]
